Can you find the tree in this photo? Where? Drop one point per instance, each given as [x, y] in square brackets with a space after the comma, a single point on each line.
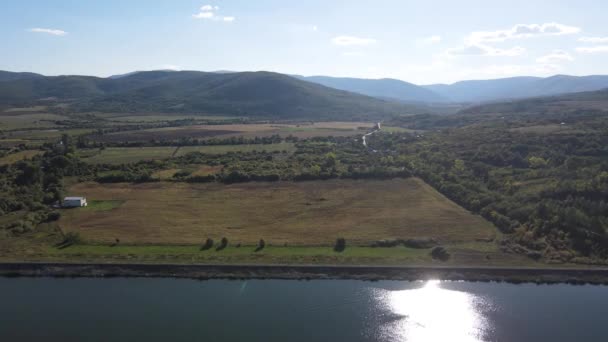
[440, 253]
[537, 162]
[261, 245]
[207, 245]
[340, 245]
[223, 244]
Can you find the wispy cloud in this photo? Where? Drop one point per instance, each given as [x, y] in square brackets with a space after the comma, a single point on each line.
[593, 49]
[353, 54]
[593, 40]
[209, 12]
[53, 32]
[432, 39]
[485, 50]
[171, 67]
[522, 31]
[555, 56]
[353, 41]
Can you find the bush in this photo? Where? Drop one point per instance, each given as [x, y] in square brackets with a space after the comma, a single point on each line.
[207, 245]
[223, 244]
[340, 245]
[261, 245]
[440, 253]
[53, 216]
[71, 238]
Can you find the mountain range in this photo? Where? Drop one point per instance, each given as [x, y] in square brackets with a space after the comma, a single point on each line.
[386, 88]
[272, 94]
[261, 94]
[518, 87]
[473, 91]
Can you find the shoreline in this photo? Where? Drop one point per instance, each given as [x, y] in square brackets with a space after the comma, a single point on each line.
[308, 272]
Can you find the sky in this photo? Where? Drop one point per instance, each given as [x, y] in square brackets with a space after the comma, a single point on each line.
[422, 42]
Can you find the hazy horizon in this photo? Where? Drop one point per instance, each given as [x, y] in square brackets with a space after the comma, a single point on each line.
[434, 42]
[311, 75]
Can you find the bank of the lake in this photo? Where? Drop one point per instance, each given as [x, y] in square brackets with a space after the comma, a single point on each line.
[252, 271]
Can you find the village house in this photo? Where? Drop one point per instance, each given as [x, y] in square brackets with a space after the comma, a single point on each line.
[73, 202]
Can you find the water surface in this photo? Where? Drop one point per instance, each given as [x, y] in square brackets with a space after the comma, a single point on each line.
[129, 309]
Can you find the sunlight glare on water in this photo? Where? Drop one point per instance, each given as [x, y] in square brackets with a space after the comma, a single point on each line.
[431, 313]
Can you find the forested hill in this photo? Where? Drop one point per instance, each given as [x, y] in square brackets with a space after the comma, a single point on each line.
[261, 94]
[518, 87]
[385, 88]
[564, 110]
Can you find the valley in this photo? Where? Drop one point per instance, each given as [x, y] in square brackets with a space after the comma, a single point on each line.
[472, 188]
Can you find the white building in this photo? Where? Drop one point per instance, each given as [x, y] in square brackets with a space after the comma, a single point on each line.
[72, 202]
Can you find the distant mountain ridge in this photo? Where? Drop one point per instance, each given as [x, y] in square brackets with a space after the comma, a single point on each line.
[518, 87]
[382, 88]
[35, 86]
[262, 94]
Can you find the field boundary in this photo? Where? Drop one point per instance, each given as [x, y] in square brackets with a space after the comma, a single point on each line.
[246, 271]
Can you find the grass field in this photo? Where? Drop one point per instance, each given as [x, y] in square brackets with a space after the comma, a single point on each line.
[37, 120]
[303, 130]
[165, 117]
[221, 149]
[121, 155]
[15, 157]
[297, 214]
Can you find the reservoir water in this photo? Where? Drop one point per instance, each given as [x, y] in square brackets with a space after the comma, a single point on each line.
[137, 309]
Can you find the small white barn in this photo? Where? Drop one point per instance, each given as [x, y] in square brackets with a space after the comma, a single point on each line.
[73, 202]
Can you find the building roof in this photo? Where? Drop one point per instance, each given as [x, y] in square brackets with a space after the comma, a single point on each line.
[74, 199]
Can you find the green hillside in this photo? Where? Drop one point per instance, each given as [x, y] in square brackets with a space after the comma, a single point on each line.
[260, 94]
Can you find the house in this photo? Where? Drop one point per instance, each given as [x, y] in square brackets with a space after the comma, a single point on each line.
[73, 202]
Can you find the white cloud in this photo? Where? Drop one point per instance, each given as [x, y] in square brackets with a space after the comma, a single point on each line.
[314, 28]
[432, 40]
[547, 68]
[203, 15]
[522, 31]
[53, 32]
[170, 67]
[209, 12]
[594, 49]
[485, 50]
[353, 41]
[555, 56]
[593, 40]
[209, 8]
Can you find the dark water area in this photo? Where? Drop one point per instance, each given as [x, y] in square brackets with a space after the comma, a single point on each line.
[138, 309]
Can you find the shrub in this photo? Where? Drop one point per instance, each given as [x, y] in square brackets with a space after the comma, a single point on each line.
[223, 244]
[207, 245]
[340, 245]
[261, 245]
[53, 216]
[440, 253]
[71, 238]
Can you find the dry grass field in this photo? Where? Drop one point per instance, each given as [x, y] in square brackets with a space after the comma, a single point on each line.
[293, 213]
[221, 149]
[21, 155]
[303, 130]
[122, 155]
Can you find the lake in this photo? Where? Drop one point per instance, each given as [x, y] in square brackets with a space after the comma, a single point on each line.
[162, 309]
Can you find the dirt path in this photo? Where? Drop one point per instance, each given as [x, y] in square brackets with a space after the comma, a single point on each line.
[370, 133]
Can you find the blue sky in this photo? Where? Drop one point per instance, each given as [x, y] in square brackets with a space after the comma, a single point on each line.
[418, 41]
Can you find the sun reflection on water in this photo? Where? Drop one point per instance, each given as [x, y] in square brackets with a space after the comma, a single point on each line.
[432, 313]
